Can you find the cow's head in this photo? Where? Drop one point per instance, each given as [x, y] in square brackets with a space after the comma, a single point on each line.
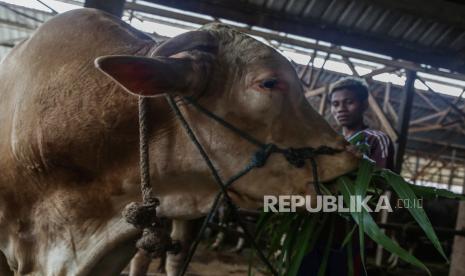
[251, 86]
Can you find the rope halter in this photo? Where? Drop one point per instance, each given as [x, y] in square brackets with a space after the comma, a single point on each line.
[155, 239]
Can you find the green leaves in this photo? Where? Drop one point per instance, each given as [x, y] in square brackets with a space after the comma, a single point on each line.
[364, 174]
[303, 238]
[370, 227]
[359, 141]
[291, 236]
[405, 192]
[431, 193]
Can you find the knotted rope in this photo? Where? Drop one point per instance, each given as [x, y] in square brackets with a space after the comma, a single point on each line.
[155, 240]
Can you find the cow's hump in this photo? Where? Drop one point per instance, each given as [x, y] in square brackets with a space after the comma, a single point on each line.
[56, 107]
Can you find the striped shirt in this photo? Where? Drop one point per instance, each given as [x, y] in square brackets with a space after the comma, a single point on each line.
[381, 147]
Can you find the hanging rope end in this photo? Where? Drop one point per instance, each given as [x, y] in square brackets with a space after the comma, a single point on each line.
[142, 215]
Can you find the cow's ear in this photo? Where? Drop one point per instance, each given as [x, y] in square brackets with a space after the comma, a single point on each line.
[144, 76]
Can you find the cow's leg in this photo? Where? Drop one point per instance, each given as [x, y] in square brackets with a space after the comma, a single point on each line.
[240, 242]
[221, 221]
[4, 267]
[182, 231]
[162, 264]
[139, 264]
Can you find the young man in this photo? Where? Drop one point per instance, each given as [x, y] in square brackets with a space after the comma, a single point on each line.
[349, 101]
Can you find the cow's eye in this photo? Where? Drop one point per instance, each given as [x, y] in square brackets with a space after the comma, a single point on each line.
[269, 83]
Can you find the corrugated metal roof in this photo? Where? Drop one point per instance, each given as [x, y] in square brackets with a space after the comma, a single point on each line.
[17, 23]
[427, 32]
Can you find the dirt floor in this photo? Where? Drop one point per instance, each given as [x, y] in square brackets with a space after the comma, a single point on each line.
[207, 262]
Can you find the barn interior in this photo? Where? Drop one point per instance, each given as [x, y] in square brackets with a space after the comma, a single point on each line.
[412, 54]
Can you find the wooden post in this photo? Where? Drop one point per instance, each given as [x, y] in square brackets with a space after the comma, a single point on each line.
[384, 219]
[457, 266]
[324, 98]
[115, 7]
[404, 119]
[315, 80]
[387, 94]
[417, 167]
[452, 169]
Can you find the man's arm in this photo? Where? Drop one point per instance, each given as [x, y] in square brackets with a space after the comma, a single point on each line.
[381, 149]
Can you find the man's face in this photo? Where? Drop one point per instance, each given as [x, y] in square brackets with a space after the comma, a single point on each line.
[346, 108]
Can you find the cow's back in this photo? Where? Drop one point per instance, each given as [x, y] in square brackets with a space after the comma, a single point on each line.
[56, 108]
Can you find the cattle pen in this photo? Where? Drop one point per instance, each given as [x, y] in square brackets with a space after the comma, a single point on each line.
[196, 137]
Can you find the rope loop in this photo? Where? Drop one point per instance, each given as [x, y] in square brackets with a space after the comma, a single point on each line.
[297, 157]
[261, 156]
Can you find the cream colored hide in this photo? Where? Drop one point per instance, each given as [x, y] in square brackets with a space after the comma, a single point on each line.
[69, 136]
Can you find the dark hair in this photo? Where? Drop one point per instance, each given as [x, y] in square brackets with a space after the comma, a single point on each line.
[356, 85]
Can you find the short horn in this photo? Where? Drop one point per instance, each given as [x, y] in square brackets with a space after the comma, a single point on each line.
[194, 40]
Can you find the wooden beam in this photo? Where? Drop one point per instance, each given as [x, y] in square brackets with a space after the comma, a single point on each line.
[437, 142]
[311, 66]
[13, 9]
[54, 12]
[430, 162]
[424, 98]
[427, 118]
[404, 119]
[387, 107]
[382, 118]
[424, 128]
[315, 80]
[320, 90]
[316, 92]
[323, 101]
[442, 98]
[387, 95]
[452, 169]
[392, 112]
[386, 69]
[11, 42]
[351, 66]
[417, 166]
[17, 25]
[407, 165]
[449, 109]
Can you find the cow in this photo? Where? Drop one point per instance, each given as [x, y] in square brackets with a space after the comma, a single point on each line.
[69, 137]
